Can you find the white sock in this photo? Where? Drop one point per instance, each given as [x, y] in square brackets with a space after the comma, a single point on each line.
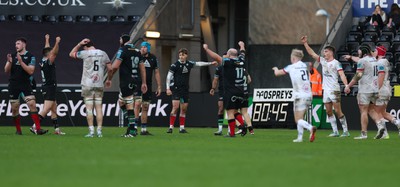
[343, 121]
[300, 131]
[219, 128]
[91, 129]
[171, 126]
[305, 124]
[99, 130]
[332, 120]
[182, 127]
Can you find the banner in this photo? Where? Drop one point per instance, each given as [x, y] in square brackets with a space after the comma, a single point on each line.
[366, 7]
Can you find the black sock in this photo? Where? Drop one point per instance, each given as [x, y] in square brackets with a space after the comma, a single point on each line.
[55, 122]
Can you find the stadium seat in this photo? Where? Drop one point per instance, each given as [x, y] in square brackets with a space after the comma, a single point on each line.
[100, 18]
[341, 54]
[354, 37]
[387, 29]
[352, 46]
[396, 68]
[371, 28]
[32, 18]
[362, 21]
[117, 19]
[393, 77]
[371, 44]
[356, 29]
[49, 18]
[396, 46]
[349, 76]
[396, 38]
[385, 37]
[370, 37]
[133, 18]
[83, 18]
[347, 67]
[15, 18]
[389, 57]
[66, 18]
[2, 18]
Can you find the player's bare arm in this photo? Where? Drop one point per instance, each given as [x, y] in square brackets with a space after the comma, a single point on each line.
[158, 80]
[46, 40]
[352, 58]
[54, 52]
[343, 77]
[214, 85]
[241, 45]
[353, 81]
[168, 81]
[73, 52]
[143, 76]
[7, 67]
[310, 51]
[278, 72]
[30, 69]
[212, 54]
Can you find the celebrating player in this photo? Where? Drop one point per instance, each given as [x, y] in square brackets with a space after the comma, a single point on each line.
[301, 92]
[95, 62]
[179, 73]
[49, 83]
[331, 69]
[21, 65]
[369, 84]
[234, 87]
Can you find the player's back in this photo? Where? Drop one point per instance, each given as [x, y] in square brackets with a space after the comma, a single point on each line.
[233, 73]
[369, 81]
[129, 69]
[300, 79]
[94, 65]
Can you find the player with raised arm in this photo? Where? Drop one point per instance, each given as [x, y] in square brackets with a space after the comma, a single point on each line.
[331, 70]
[49, 83]
[21, 66]
[179, 73]
[234, 87]
[95, 62]
[130, 65]
[302, 94]
[370, 76]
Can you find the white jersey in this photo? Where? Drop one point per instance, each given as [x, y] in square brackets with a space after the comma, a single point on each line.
[386, 89]
[300, 79]
[94, 65]
[330, 74]
[369, 81]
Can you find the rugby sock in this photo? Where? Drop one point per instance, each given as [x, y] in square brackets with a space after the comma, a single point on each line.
[239, 118]
[304, 124]
[135, 123]
[172, 120]
[17, 121]
[332, 120]
[41, 117]
[300, 131]
[343, 121]
[91, 129]
[182, 121]
[144, 127]
[131, 122]
[220, 122]
[232, 126]
[55, 122]
[36, 120]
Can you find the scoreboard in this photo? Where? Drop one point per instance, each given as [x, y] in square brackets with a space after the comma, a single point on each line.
[273, 108]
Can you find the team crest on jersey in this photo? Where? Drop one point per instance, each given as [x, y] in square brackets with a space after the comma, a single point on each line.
[185, 70]
[95, 78]
[147, 64]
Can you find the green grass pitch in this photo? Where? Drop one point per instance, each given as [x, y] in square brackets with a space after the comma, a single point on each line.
[268, 158]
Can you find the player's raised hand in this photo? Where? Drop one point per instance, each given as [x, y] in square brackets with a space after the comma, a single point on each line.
[274, 68]
[205, 46]
[47, 36]
[58, 39]
[84, 41]
[9, 58]
[241, 43]
[303, 39]
[19, 57]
